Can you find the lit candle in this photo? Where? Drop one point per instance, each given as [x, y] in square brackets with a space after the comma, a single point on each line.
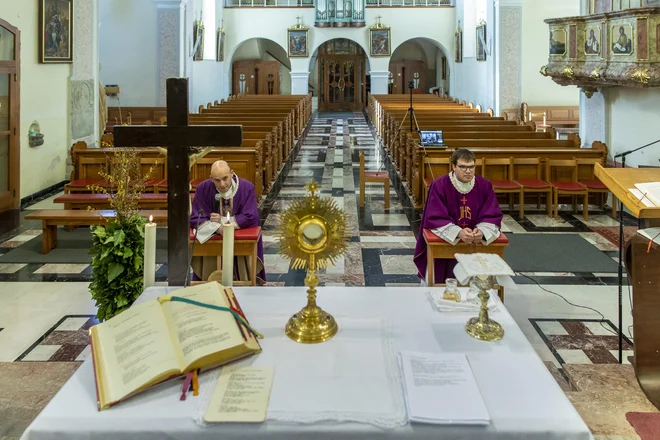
[227, 252]
[149, 253]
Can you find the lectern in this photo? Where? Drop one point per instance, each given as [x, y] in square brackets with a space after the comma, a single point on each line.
[642, 263]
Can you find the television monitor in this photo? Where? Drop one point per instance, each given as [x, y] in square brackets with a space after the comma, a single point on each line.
[430, 138]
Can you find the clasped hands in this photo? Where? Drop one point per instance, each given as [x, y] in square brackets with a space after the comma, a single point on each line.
[468, 235]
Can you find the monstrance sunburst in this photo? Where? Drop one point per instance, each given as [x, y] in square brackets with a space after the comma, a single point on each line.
[313, 235]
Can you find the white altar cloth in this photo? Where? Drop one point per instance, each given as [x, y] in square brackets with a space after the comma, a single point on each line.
[521, 396]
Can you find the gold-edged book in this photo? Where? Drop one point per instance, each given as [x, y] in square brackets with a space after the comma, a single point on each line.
[157, 340]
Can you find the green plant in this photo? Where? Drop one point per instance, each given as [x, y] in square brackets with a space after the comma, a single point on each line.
[117, 265]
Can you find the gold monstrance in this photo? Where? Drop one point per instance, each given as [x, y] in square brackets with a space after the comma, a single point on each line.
[313, 236]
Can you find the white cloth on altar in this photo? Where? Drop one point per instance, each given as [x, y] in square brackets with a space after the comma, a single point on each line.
[522, 397]
[353, 376]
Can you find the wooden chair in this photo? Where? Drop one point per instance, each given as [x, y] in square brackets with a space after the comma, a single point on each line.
[591, 182]
[541, 120]
[373, 177]
[506, 185]
[531, 183]
[563, 186]
[433, 168]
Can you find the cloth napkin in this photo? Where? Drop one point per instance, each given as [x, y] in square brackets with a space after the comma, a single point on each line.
[443, 305]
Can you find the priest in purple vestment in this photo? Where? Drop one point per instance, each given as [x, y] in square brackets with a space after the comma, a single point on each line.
[460, 207]
[225, 193]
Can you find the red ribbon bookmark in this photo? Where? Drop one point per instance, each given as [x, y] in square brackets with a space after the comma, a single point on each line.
[186, 385]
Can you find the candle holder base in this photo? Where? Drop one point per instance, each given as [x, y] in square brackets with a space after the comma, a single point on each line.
[311, 326]
[482, 327]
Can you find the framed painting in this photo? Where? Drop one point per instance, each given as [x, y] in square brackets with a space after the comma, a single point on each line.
[592, 37]
[481, 41]
[221, 45]
[621, 38]
[380, 41]
[558, 42]
[56, 31]
[458, 45]
[198, 40]
[297, 41]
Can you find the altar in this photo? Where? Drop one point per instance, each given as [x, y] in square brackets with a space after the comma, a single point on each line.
[521, 396]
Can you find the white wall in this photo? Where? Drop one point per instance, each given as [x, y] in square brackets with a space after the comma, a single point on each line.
[537, 89]
[128, 50]
[244, 23]
[44, 98]
[266, 50]
[632, 117]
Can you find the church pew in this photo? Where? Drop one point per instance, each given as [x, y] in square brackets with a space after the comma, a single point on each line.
[137, 115]
[102, 201]
[52, 218]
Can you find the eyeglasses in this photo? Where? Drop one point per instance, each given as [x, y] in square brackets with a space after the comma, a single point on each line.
[467, 167]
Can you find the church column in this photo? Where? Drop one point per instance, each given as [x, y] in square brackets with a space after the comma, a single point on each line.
[171, 42]
[507, 54]
[379, 82]
[83, 82]
[299, 83]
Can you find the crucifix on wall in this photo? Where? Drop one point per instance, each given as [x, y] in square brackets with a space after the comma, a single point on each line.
[178, 137]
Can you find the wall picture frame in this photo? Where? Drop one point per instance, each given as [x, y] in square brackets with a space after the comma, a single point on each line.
[593, 39]
[198, 40]
[56, 31]
[458, 45]
[621, 39]
[380, 41]
[481, 41]
[220, 56]
[297, 41]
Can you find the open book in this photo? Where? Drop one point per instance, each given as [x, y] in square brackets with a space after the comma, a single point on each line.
[651, 191]
[153, 341]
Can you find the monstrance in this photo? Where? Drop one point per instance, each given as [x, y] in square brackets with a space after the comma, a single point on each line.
[312, 236]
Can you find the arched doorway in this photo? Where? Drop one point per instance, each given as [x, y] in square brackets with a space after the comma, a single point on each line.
[260, 67]
[9, 116]
[422, 62]
[341, 75]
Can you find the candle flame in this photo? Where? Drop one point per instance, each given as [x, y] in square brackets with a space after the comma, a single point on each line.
[228, 218]
[151, 218]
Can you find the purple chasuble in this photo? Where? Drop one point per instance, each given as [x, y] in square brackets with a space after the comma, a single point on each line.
[446, 205]
[244, 211]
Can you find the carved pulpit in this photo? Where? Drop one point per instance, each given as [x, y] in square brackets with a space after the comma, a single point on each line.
[178, 137]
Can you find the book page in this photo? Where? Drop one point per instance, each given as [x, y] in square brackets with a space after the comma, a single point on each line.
[135, 349]
[440, 388]
[201, 331]
[651, 190]
[241, 395]
[206, 230]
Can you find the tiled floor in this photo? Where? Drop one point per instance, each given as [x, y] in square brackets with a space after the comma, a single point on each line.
[45, 322]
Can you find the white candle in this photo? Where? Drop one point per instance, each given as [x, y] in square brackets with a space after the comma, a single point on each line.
[149, 253]
[227, 252]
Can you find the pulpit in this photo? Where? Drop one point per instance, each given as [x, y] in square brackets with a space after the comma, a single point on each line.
[642, 262]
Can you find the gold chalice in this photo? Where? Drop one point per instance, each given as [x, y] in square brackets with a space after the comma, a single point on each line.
[313, 235]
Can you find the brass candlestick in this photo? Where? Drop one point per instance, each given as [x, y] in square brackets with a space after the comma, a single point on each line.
[482, 327]
[313, 235]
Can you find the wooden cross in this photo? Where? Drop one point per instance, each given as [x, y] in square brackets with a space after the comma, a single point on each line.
[378, 18]
[177, 136]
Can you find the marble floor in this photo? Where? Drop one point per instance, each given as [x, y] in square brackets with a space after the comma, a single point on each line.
[569, 315]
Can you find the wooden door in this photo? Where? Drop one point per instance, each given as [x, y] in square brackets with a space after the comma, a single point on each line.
[9, 116]
[244, 78]
[405, 71]
[269, 78]
[342, 76]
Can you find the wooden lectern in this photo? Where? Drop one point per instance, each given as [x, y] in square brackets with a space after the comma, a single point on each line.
[642, 265]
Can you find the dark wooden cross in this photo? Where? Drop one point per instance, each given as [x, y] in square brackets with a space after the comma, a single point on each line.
[177, 136]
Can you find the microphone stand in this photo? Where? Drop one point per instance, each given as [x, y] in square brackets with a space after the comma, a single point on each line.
[623, 165]
[187, 281]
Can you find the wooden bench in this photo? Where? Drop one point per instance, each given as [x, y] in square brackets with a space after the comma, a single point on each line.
[102, 201]
[52, 218]
[245, 244]
[436, 247]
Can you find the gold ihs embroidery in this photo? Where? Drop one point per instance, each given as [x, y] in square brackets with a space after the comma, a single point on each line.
[466, 213]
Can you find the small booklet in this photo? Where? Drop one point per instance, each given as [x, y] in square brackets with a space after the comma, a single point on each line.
[651, 234]
[440, 389]
[241, 395]
[206, 230]
[152, 342]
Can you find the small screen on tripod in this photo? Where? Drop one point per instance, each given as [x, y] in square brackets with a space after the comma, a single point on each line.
[431, 137]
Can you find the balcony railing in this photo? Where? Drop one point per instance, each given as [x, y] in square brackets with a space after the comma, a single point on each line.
[310, 3]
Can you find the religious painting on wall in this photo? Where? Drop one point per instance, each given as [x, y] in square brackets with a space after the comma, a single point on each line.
[379, 41]
[55, 31]
[221, 45]
[592, 37]
[198, 40]
[622, 43]
[458, 45]
[481, 41]
[298, 39]
[558, 42]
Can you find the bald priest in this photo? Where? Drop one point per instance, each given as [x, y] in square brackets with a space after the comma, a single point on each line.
[461, 206]
[226, 193]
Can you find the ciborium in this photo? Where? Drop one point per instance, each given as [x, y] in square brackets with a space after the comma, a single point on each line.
[313, 235]
[482, 327]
